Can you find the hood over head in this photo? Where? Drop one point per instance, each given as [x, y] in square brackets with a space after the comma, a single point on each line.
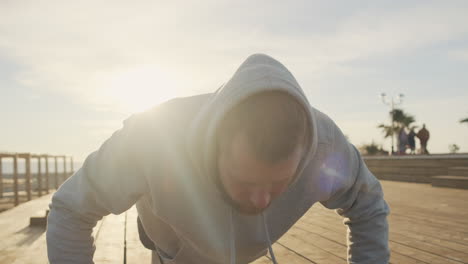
[258, 73]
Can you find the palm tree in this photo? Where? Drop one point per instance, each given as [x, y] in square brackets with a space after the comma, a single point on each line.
[400, 120]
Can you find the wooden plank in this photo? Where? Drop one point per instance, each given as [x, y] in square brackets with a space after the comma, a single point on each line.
[26, 244]
[448, 235]
[28, 177]
[15, 179]
[56, 180]
[16, 237]
[336, 233]
[434, 250]
[135, 251]
[403, 178]
[110, 240]
[262, 260]
[437, 250]
[304, 246]
[460, 182]
[340, 238]
[39, 176]
[432, 231]
[71, 165]
[36, 249]
[406, 170]
[283, 254]
[405, 227]
[1, 179]
[441, 222]
[65, 175]
[420, 255]
[46, 174]
[333, 228]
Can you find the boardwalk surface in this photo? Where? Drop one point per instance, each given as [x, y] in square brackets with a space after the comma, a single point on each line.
[427, 225]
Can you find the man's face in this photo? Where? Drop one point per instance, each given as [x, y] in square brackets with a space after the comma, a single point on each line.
[250, 182]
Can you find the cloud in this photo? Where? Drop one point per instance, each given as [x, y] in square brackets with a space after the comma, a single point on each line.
[77, 47]
[459, 55]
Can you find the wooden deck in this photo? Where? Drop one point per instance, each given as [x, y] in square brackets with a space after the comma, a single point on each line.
[427, 225]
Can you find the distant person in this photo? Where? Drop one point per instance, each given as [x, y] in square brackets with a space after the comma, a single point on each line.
[423, 135]
[220, 177]
[412, 141]
[402, 141]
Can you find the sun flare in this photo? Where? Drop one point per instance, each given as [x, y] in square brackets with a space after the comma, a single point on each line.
[138, 89]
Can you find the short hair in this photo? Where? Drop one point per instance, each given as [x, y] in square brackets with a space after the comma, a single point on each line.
[274, 122]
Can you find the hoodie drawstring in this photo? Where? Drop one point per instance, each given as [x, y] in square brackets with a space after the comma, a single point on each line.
[270, 249]
[233, 239]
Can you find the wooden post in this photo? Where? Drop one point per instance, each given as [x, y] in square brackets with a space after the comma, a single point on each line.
[47, 173]
[56, 173]
[1, 179]
[39, 176]
[71, 165]
[28, 176]
[65, 168]
[15, 178]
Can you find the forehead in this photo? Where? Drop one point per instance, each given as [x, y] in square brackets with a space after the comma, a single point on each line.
[245, 166]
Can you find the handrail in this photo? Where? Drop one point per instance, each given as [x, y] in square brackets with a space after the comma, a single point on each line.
[41, 173]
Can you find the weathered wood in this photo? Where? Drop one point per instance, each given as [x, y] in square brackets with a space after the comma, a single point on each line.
[18, 241]
[15, 179]
[37, 252]
[56, 177]
[285, 254]
[460, 182]
[330, 228]
[39, 176]
[28, 177]
[135, 251]
[458, 171]
[433, 236]
[46, 173]
[12, 184]
[1, 179]
[427, 225]
[72, 165]
[110, 241]
[403, 178]
[314, 248]
[64, 168]
[40, 219]
[416, 168]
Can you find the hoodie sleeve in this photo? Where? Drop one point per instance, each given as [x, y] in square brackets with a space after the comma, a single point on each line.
[109, 182]
[358, 197]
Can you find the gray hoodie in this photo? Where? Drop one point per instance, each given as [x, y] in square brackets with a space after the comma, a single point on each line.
[163, 160]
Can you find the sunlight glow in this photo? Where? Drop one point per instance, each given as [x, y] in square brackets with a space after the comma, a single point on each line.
[140, 88]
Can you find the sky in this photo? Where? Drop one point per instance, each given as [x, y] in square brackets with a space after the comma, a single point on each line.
[72, 71]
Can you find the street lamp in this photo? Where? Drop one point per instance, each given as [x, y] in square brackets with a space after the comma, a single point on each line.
[394, 100]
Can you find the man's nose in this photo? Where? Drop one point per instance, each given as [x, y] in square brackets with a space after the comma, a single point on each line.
[260, 199]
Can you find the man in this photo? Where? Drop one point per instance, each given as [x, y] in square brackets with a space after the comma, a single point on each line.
[423, 135]
[218, 178]
[402, 141]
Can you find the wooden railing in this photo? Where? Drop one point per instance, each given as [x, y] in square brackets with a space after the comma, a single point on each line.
[42, 178]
